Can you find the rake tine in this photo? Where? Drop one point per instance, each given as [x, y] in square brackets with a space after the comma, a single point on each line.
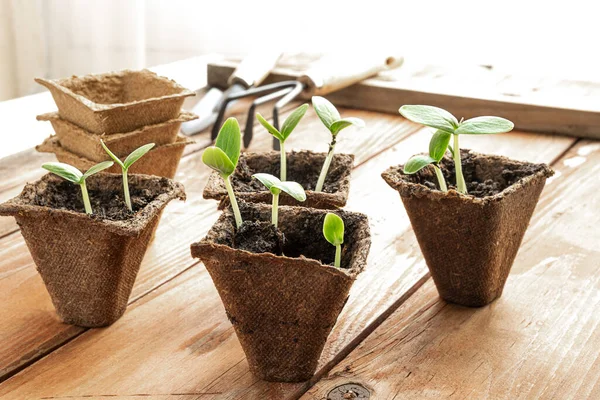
[257, 102]
[285, 100]
[236, 96]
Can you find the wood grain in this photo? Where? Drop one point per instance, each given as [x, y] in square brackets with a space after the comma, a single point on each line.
[540, 340]
[181, 332]
[169, 253]
[532, 103]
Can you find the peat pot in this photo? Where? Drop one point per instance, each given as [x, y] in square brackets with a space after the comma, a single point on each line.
[283, 307]
[302, 167]
[89, 262]
[116, 101]
[85, 144]
[470, 241]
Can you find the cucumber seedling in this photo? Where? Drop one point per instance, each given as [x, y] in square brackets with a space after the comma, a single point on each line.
[332, 120]
[286, 130]
[72, 174]
[333, 230]
[129, 160]
[223, 157]
[448, 126]
[276, 186]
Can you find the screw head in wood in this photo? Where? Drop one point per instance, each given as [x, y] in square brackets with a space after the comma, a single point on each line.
[349, 391]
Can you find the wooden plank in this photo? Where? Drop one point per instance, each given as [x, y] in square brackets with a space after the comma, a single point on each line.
[533, 104]
[169, 253]
[201, 355]
[540, 340]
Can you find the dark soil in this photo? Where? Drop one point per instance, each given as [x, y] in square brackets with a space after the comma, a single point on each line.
[259, 237]
[106, 204]
[300, 230]
[484, 176]
[303, 167]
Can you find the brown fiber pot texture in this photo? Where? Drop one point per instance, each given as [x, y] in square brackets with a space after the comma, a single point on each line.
[302, 167]
[85, 144]
[89, 264]
[160, 161]
[117, 101]
[284, 307]
[468, 242]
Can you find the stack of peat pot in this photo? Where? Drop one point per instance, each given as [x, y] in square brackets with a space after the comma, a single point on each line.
[88, 243]
[126, 109]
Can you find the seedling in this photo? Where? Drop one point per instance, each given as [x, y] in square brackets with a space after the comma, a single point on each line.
[333, 230]
[286, 130]
[331, 118]
[129, 160]
[276, 186]
[72, 174]
[437, 148]
[447, 125]
[223, 158]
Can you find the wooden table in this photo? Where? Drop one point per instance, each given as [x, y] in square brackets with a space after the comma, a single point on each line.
[395, 336]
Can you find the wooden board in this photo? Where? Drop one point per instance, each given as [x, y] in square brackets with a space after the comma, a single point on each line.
[533, 103]
[540, 340]
[181, 332]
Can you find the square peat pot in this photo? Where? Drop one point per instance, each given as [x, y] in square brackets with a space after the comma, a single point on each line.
[302, 167]
[117, 101]
[470, 241]
[89, 263]
[86, 144]
[283, 307]
[160, 161]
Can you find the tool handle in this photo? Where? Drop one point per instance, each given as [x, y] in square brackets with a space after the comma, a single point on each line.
[253, 69]
[335, 72]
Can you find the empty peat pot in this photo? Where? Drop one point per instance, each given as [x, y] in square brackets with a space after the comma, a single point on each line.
[283, 307]
[160, 161]
[303, 167]
[117, 101]
[89, 262]
[470, 241]
[85, 144]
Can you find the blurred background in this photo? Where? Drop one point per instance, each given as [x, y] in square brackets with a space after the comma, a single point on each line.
[59, 38]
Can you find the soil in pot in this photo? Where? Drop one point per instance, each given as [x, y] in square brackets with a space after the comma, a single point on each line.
[303, 167]
[470, 241]
[89, 262]
[283, 307]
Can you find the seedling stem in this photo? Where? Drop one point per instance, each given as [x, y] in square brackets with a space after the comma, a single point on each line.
[283, 172]
[86, 198]
[325, 168]
[440, 178]
[460, 179]
[234, 203]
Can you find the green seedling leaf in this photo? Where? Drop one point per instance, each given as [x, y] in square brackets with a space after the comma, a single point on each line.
[271, 182]
[337, 126]
[65, 171]
[484, 126]
[137, 154]
[269, 127]
[417, 163]
[112, 155]
[326, 111]
[439, 144]
[433, 117]
[276, 186]
[292, 120]
[216, 159]
[294, 189]
[229, 140]
[97, 168]
[333, 229]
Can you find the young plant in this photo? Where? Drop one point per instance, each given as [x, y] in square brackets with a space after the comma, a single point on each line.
[276, 186]
[286, 130]
[333, 230]
[331, 118]
[72, 174]
[437, 148]
[447, 125]
[129, 160]
[223, 157]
